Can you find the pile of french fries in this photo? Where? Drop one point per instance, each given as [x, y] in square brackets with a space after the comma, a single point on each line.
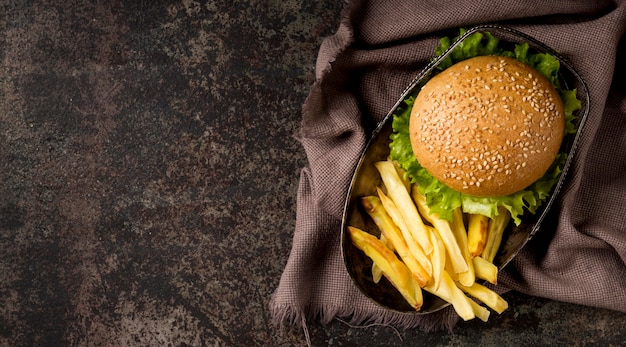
[417, 250]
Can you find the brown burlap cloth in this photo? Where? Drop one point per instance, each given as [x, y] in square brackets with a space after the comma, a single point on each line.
[579, 256]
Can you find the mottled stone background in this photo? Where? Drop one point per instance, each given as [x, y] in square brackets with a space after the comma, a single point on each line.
[148, 177]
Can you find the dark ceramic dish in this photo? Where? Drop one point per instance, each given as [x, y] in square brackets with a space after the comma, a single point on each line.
[366, 179]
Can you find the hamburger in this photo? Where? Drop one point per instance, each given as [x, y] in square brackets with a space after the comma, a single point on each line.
[487, 126]
[485, 131]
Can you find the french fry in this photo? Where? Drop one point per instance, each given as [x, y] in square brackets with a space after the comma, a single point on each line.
[485, 270]
[480, 312]
[449, 292]
[401, 197]
[443, 228]
[477, 227]
[392, 268]
[486, 296]
[414, 247]
[402, 174]
[437, 257]
[468, 277]
[376, 273]
[394, 236]
[450, 270]
[494, 235]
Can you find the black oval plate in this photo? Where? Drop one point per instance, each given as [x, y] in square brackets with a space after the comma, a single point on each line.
[366, 179]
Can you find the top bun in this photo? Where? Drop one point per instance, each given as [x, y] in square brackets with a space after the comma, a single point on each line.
[487, 126]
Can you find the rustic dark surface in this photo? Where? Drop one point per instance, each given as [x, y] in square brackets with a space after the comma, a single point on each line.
[148, 176]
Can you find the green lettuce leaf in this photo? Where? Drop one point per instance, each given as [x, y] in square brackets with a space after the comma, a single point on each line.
[474, 45]
[440, 198]
[570, 104]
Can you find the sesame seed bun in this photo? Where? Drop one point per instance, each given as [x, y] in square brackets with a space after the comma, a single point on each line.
[487, 126]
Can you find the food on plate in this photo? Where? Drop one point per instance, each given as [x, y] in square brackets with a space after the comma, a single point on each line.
[398, 256]
[473, 149]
